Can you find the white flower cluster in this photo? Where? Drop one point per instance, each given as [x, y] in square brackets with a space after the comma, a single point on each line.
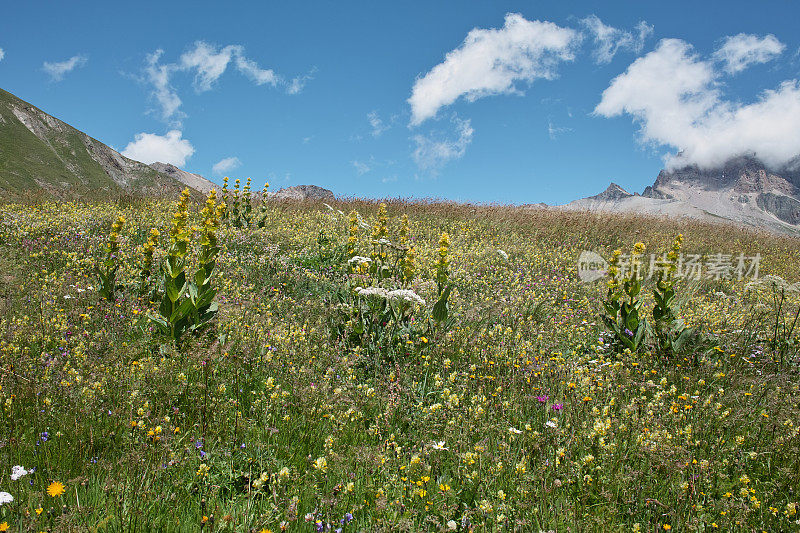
[372, 292]
[407, 296]
[5, 498]
[17, 472]
[502, 254]
[771, 281]
[359, 260]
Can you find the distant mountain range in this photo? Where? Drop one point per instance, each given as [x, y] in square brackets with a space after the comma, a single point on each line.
[40, 154]
[743, 190]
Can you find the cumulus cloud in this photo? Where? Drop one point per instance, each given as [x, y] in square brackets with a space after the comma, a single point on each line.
[2, 54]
[491, 61]
[432, 151]
[58, 69]
[740, 51]
[150, 147]
[675, 97]
[208, 62]
[609, 40]
[225, 165]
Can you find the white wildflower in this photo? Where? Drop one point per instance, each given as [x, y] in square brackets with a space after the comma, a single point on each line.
[372, 292]
[514, 430]
[406, 295]
[502, 254]
[359, 259]
[17, 472]
[5, 498]
[438, 445]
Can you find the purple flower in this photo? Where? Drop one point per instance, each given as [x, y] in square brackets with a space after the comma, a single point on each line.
[543, 398]
[348, 517]
[557, 406]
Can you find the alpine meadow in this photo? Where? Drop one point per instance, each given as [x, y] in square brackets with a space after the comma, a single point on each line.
[228, 365]
[355, 267]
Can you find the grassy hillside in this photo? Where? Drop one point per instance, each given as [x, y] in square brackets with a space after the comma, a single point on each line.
[310, 404]
[49, 157]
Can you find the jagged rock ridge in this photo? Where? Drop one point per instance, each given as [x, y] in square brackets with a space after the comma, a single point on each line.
[743, 190]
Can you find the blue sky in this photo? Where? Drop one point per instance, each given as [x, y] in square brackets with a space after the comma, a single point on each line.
[510, 102]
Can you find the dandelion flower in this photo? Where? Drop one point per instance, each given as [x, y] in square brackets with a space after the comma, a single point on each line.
[56, 488]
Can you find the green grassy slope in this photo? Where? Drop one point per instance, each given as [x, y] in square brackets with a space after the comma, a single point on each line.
[45, 155]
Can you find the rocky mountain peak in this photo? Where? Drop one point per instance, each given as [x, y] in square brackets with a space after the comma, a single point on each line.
[612, 192]
[743, 190]
[303, 192]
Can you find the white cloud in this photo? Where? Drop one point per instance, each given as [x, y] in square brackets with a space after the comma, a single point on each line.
[58, 69]
[225, 165]
[675, 97]
[259, 75]
[209, 63]
[554, 131]
[361, 167]
[170, 148]
[433, 152]
[740, 51]
[377, 125]
[297, 84]
[158, 76]
[2, 54]
[489, 62]
[609, 40]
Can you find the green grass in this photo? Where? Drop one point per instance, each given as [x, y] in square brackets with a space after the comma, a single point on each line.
[59, 164]
[514, 418]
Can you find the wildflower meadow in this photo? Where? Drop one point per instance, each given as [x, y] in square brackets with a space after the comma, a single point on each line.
[228, 364]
